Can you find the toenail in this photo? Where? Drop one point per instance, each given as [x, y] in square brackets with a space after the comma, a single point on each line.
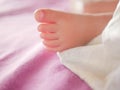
[41, 15]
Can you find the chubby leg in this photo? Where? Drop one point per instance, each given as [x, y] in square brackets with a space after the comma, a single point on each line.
[61, 31]
[100, 7]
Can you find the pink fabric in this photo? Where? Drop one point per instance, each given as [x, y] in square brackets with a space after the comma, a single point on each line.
[24, 63]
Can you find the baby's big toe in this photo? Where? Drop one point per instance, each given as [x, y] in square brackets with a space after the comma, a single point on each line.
[49, 16]
[46, 16]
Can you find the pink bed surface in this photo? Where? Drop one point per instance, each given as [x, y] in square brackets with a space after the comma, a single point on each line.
[24, 62]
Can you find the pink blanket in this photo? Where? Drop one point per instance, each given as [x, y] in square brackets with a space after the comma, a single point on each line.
[24, 62]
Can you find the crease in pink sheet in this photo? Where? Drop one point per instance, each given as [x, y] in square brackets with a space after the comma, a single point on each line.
[24, 62]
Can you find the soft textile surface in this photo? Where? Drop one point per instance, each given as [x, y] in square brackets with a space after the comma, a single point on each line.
[24, 63]
[98, 63]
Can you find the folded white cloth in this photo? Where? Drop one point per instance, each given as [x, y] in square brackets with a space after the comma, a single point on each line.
[98, 63]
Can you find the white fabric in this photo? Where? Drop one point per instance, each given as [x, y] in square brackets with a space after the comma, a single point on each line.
[99, 63]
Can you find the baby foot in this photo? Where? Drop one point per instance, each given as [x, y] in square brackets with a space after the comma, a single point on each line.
[61, 31]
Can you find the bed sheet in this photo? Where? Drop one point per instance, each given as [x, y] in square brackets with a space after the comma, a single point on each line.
[24, 62]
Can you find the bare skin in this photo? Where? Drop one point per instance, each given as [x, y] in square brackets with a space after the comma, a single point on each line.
[61, 31]
[100, 7]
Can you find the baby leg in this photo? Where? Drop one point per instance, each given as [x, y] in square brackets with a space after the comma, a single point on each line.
[100, 7]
